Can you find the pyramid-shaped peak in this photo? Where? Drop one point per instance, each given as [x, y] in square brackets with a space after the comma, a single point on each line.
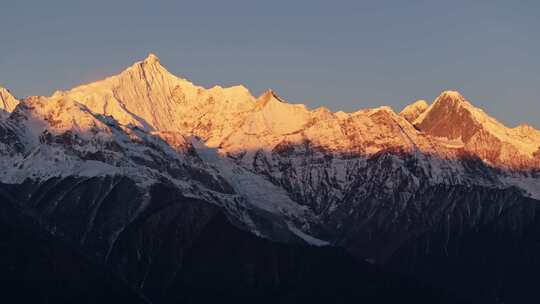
[452, 116]
[452, 101]
[5, 92]
[151, 58]
[151, 62]
[269, 96]
[151, 66]
[269, 93]
[453, 97]
[452, 93]
[7, 101]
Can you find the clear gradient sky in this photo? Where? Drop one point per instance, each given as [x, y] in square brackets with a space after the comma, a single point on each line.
[345, 55]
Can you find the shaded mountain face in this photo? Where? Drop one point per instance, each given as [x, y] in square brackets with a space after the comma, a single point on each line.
[181, 250]
[135, 168]
[36, 267]
[494, 260]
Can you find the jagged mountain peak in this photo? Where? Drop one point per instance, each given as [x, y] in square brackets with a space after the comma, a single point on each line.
[273, 115]
[152, 64]
[451, 105]
[453, 99]
[269, 96]
[4, 90]
[146, 95]
[452, 95]
[268, 92]
[265, 98]
[149, 68]
[262, 160]
[451, 116]
[141, 95]
[151, 59]
[7, 101]
[457, 121]
[147, 73]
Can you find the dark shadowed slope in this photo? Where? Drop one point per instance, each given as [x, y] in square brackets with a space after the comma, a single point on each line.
[187, 251]
[37, 268]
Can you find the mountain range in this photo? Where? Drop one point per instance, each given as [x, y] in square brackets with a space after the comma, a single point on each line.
[152, 177]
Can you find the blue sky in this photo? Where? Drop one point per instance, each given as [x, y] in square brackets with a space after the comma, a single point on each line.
[345, 55]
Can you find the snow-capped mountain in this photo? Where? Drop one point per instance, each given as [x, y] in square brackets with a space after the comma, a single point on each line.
[412, 111]
[102, 162]
[7, 101]
[455, 119]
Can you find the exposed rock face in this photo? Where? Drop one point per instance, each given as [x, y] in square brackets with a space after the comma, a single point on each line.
[454, 118]
[135, 167]
[450, 116]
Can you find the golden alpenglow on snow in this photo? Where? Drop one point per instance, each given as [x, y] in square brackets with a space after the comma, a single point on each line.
[291, 152]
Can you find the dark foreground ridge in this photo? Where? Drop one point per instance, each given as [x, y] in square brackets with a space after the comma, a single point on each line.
[37, 268]
[222, 263]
